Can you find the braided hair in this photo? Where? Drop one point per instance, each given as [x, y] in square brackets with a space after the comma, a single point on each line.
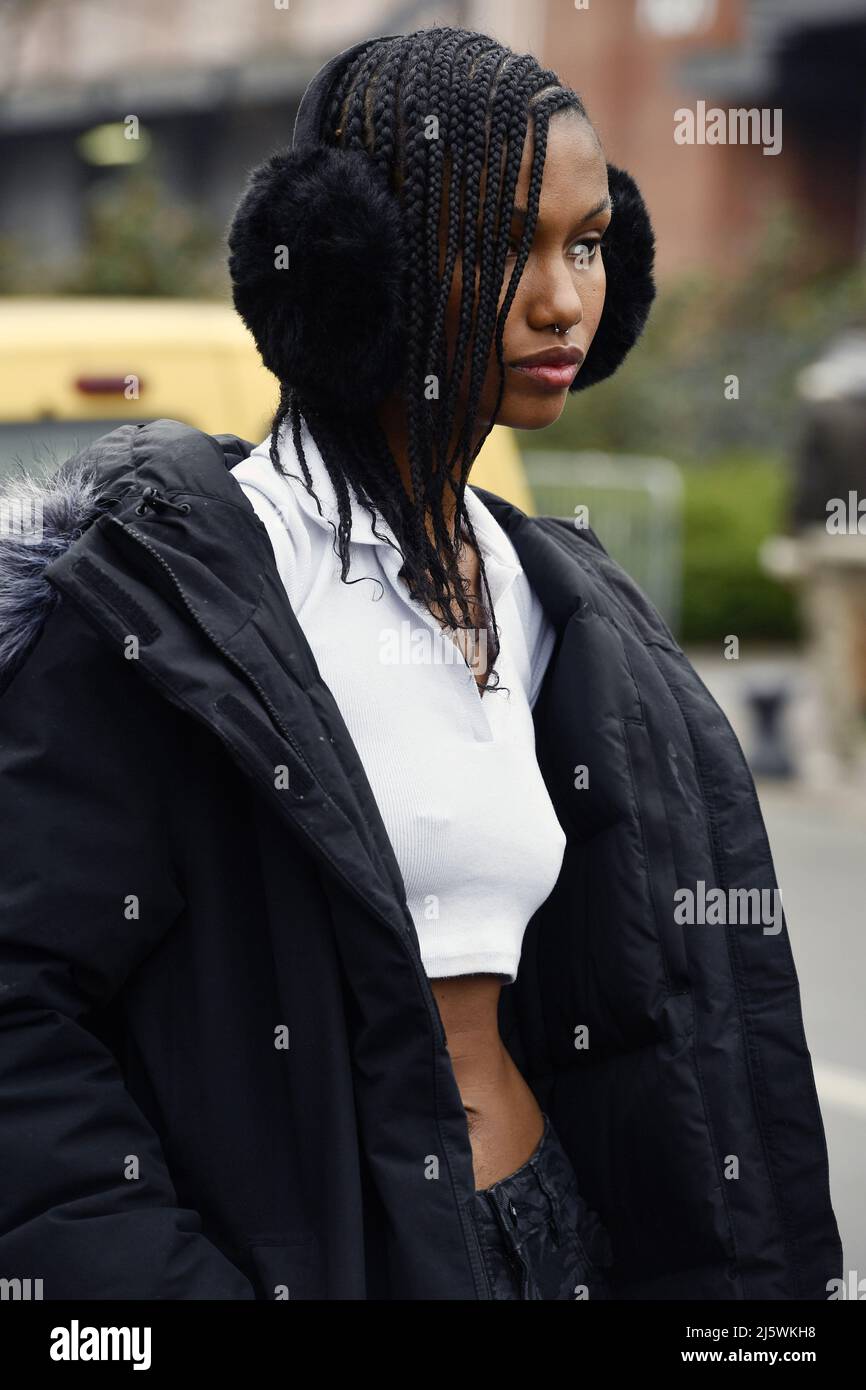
[482, 95]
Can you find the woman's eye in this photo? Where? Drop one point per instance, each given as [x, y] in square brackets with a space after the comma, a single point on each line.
[585, 253]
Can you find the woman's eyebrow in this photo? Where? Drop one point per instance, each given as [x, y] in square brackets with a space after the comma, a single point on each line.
[603, 205]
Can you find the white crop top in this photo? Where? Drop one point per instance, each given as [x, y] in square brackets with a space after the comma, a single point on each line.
[454, 773]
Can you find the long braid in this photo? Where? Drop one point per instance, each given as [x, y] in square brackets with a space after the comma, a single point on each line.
[483, 60]
[489, 158]
[414, 108]
[474, 122]
[482, 95]
[510, 120]
[353, 136]
[454, 130]
[486, 63]
[528, 232]
[384, 111]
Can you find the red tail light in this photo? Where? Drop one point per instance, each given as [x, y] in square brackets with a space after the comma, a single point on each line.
[107, 385]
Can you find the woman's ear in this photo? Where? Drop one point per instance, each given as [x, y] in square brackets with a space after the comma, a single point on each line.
[628, 252]
[317, 266]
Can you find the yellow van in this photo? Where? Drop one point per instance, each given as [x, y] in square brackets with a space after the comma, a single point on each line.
[74, 368]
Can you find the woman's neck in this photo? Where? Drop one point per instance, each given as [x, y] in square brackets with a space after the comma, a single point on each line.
[393, 419]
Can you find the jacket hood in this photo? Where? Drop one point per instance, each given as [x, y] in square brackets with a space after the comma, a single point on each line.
[42, 515]
[41, 518]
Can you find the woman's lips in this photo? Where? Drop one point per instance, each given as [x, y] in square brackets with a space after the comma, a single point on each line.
[555, 378]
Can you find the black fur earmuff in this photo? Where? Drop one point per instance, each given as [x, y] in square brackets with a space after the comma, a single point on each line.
[318, 267]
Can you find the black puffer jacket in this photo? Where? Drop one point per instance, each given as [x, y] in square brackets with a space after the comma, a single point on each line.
[223, 1073]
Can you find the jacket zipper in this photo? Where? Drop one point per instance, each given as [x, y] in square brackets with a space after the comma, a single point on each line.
[130, 531]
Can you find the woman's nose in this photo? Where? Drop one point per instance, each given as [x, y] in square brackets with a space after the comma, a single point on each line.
[559, 303]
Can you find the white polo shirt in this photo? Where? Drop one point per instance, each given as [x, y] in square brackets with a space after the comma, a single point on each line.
[454, 773]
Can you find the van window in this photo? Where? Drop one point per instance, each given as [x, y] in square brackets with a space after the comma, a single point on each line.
[40, 446]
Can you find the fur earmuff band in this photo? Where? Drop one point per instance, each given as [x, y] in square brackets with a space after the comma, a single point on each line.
[628, 252]
[317, 267]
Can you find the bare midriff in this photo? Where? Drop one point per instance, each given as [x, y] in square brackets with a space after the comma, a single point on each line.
[505, 1120]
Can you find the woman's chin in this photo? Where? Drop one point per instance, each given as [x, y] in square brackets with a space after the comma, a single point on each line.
[532, 415]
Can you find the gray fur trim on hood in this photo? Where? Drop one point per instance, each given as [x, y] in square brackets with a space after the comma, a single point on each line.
[43, 514]
[40, 518]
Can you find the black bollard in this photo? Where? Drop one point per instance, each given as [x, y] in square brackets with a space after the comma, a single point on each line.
[770, 755]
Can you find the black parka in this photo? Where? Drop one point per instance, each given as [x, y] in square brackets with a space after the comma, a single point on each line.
[223, 1073]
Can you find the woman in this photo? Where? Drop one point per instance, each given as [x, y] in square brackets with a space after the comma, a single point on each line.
[338, 945]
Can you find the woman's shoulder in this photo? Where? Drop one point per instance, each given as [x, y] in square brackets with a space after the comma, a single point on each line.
[258, 478]
[274, 499]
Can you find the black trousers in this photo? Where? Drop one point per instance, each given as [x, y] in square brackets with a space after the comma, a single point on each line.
[538, 1237]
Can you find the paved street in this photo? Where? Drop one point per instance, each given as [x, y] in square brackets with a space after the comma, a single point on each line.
[817, 829]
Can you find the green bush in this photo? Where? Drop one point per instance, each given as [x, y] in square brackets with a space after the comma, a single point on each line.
[730, 506]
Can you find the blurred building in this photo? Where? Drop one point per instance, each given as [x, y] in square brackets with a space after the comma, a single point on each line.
[638, 62]
[215, 84]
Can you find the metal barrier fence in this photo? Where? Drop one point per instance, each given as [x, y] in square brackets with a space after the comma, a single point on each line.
[633, 504]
